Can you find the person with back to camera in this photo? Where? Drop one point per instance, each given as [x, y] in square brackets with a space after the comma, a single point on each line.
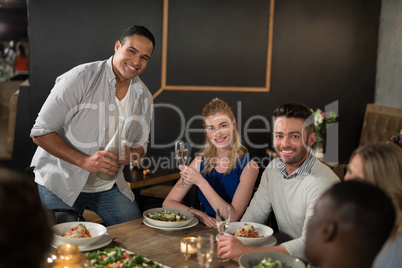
[381, 164]
[25, 234]
[80, 117]
[289, 186]
[21, 61]
[224, 174]
[351, 221]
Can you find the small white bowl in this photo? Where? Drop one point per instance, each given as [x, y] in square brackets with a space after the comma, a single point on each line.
[264, 233]
[97, 231]
[253, 258]
[168, 224]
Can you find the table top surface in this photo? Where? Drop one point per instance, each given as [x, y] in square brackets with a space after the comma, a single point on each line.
[158, 245]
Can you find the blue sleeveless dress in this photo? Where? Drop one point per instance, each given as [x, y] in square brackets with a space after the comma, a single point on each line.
[225, 185]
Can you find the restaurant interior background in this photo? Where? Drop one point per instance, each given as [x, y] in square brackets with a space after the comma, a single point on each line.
[322, 52]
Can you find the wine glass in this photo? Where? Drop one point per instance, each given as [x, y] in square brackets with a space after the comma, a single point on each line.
[205, 249]
[181, 149]
[222, 220]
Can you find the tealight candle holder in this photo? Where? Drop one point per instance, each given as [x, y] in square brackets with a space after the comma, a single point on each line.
[188, 246]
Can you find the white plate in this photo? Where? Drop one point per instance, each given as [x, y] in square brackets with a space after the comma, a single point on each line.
[192, 223]
[103, 241]
[271, 241]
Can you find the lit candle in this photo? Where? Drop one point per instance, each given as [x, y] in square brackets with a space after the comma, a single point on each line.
[188, 246]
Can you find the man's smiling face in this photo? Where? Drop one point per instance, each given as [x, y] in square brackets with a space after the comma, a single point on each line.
[131, 58]
[290, 140]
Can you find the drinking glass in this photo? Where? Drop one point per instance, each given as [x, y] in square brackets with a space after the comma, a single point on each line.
[205, 249]
[188, 246]
[222, 220]
[181, 149]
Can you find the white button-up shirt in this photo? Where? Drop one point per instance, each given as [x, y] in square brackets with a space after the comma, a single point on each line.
[79, 109]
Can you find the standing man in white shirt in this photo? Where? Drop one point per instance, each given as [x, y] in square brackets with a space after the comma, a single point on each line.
[78, 119]
[290, 185]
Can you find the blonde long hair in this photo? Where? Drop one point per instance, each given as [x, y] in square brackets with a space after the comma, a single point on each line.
[382, 166]
[209, 152]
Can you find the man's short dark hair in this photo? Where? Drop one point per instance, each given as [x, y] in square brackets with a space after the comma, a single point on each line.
[366, 207]
[295, 110]
[138, 30]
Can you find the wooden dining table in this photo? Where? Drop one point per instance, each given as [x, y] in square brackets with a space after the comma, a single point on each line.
[159, 245]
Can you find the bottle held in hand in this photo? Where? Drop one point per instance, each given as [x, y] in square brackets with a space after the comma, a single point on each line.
[114, 146]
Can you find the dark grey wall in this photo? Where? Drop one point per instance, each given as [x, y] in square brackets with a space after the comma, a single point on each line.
[217, 43]
[66, 33]
[323, 51]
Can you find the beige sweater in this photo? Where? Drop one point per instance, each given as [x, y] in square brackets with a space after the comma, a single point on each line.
[292, 201]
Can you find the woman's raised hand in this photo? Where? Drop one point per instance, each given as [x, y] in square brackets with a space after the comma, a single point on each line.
[190, 175]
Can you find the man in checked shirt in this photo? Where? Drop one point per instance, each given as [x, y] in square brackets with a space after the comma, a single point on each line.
[289, 187]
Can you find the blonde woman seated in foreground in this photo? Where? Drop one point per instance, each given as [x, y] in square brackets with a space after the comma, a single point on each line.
[224, 174]
[381, 164]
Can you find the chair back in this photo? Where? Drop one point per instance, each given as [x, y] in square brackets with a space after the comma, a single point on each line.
[60, 215]
[57, 215]
[380, 123]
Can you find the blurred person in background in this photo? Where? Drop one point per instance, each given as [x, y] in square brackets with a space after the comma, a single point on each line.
[7, 60]
[21, 62]
[381, 164]
[1, 50]
[9, 50]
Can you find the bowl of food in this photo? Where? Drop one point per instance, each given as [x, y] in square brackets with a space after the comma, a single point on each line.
[168, 217]
[249, 233]
[81, 234]
[262, 259]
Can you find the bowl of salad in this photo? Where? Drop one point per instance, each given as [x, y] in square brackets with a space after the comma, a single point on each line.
[168, 217]
[80, 233]
[249, 233]
[269, 259]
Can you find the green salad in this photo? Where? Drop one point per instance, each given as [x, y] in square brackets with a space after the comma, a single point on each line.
[167, 215]
[269, 263]
[118, 258]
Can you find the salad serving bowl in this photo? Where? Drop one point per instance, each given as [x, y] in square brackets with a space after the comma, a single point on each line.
[168, 217]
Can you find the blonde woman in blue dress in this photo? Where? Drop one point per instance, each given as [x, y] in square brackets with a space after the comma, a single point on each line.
[223, 172]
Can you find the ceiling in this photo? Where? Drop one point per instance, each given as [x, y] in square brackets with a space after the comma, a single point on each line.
[13, 3]
[13, 20]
